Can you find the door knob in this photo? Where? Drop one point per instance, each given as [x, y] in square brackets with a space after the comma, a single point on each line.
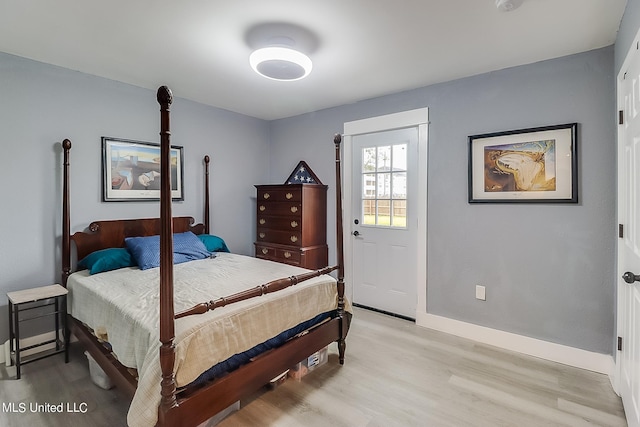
[629, 277]
[356, 233]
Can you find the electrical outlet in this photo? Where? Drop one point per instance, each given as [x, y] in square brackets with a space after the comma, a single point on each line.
[481, 293]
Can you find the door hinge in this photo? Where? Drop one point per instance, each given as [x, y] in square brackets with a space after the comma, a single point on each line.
[620, 117]
[620, 231]
[619, 343]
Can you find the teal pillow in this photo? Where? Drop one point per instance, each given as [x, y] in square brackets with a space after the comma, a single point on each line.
[213, 243]
[106, 260]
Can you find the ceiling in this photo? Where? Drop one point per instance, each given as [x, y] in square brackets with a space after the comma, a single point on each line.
[360, 48]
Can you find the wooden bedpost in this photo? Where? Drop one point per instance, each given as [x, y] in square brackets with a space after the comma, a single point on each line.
[66, 217]
[206, 194]
[167, 332]
[342, 343]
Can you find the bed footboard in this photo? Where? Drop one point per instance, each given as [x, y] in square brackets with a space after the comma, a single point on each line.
[268, 288]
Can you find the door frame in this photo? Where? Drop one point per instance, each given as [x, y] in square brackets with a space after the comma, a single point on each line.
[620, 103]
[413, 118]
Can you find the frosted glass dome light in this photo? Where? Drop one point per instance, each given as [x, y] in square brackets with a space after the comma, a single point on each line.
[280, 63]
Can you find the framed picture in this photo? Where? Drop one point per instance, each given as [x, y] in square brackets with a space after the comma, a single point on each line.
[537, 165]
[131, 170]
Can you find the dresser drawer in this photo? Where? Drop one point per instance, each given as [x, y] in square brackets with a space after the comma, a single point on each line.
[276, 236]
[284, 223]
[266, 252]
[279, 195]
[291, 256]
[280, 208]
[312, 257]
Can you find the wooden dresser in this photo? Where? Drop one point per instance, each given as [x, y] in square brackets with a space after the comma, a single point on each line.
[292, 224]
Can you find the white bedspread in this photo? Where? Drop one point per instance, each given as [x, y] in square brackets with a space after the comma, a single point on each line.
[125, 302]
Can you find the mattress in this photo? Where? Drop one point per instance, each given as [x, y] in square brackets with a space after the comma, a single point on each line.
[124, 303]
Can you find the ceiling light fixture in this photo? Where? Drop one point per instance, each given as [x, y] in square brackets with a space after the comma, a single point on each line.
[508, 5]
[280, 63]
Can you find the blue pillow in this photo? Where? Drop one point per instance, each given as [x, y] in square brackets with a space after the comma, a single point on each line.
[106, 260]
[213, 243]
[146, 250]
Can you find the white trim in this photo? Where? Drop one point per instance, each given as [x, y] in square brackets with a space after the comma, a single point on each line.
[619, 242]
[387, 122]
[631, 52]
[597, 362]
[423, 145]
[347, 243]
[412, 118]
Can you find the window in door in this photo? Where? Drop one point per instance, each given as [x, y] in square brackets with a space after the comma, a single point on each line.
[384, 185]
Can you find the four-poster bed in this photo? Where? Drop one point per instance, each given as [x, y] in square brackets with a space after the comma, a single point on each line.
[167, 388]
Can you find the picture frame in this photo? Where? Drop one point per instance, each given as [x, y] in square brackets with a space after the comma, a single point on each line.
[534, 165]
[131, 171]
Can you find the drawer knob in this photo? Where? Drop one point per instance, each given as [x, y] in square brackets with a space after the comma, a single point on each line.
[265, 251]
[266, 195]
[294, 239]
[294, 209]
[289, 196]
[262, 235]
[294, 224]
[262, 208]
[287, 254]
[262, 221]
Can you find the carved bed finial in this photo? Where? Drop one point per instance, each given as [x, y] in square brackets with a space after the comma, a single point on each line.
[66, 144]
[337, 139]
[165, 97]
[206, 159]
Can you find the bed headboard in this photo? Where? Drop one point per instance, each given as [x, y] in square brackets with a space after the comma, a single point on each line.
[111, 233]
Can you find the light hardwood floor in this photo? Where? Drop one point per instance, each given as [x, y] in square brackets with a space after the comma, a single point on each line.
[396, 374]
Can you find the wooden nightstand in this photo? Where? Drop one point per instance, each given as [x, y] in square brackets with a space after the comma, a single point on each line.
[38, 298]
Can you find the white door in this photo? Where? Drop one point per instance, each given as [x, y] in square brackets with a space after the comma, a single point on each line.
[629, 244]
[383, 222]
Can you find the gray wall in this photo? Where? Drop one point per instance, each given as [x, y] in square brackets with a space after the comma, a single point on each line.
[551, 279]
[548, 269]
[43, 104]
[628, 30]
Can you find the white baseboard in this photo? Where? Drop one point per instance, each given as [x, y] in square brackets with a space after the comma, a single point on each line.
[25, 342]
[597, 362]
